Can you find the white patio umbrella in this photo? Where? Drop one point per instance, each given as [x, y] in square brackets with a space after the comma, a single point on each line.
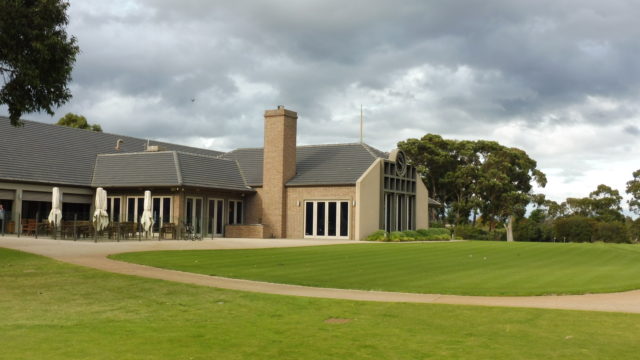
[147, 217]
[55, 215]
[100, 215]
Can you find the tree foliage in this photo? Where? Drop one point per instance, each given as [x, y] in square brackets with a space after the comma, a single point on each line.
[633, 189]
[602, 204]
[470, 177]
[78, 121]
[36, 56]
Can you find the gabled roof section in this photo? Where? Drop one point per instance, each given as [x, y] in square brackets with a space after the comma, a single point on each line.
[211, 172]
[136, 169]
[53, 154]
[167, 168]
[332, 164]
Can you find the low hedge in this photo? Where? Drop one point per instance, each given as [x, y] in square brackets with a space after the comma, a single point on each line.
[431, 234]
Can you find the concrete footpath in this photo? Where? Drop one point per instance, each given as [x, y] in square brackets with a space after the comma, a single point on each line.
[93, 255]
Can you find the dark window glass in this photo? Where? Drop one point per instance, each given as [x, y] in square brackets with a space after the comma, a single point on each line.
[219, 217]
[189, 217]
[232, 207]
[140, 208]
[131, 209]
[155, 212]
[399, 221]
[166, 210]
[308, 218]
[332, 218]
[239, 212]
[211, 218]
[344, 218]
[116, 209]
[198, 223]
[320, 227]
[388, 207]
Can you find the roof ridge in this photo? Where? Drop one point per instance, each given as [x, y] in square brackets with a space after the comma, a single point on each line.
[138, 153]
[369, 149]
[176, 162]
[217, 157]
[244, 179]
[303, 146]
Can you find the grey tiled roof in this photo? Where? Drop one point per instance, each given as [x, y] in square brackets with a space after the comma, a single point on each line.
[334, 164]
[167, 168]
[52, 154]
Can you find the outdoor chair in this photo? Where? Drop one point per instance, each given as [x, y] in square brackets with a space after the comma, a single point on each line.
[168, 228]
[28, 226]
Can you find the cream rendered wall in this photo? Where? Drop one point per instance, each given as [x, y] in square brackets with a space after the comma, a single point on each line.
[368, 201]
[422, 204]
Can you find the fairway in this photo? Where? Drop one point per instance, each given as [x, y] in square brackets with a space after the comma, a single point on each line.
[58, 311]
[463, 268]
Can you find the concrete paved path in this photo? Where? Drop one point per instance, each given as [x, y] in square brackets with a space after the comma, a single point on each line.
[93, 255]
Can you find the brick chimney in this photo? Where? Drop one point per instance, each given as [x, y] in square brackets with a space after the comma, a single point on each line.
[279, 166]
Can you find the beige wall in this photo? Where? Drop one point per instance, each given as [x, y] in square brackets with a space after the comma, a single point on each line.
[422, 204]
[368, 205]
[253, 207]
[295, 211]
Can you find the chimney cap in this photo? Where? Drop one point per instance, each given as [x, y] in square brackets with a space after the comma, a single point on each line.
[280, 107]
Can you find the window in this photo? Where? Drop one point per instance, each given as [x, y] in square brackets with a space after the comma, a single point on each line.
[161, 211]
[216, 214]
[235, 212]
[135, 208]
[113, 208]
[194, 213]
[326, 219]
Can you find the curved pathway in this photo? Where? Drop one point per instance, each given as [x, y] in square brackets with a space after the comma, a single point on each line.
[93, 255]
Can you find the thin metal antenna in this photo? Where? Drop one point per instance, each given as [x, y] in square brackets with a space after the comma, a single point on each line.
[361, 126]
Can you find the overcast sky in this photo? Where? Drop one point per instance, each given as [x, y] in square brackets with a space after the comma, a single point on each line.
[558, 79]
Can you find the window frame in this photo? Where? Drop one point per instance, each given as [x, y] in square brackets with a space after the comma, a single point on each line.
[338, 219]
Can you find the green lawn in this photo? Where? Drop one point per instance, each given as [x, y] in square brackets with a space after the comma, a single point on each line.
[466, 268]
[50, 310]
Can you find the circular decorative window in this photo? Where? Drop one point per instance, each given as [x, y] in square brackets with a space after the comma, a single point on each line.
[401, 164]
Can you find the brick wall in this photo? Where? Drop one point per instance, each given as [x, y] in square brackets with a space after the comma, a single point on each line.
[295, 212]
[255, 231]
[279, 166]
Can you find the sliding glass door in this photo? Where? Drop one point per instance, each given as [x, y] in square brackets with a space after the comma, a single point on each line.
[326, 219]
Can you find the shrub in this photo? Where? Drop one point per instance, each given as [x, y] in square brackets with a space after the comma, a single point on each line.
[434, 234]
[436, 224]
[379, 235]
[469, 232]
[527, 230]
[397, 236]
[633, 229]
[573, 229]
[611, 232]
[411, 234]
[499, 234]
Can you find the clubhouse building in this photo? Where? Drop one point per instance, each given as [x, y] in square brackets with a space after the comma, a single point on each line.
[337, 191]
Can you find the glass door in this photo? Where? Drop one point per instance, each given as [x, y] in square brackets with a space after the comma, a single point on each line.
[215, 222]
[194, 213]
